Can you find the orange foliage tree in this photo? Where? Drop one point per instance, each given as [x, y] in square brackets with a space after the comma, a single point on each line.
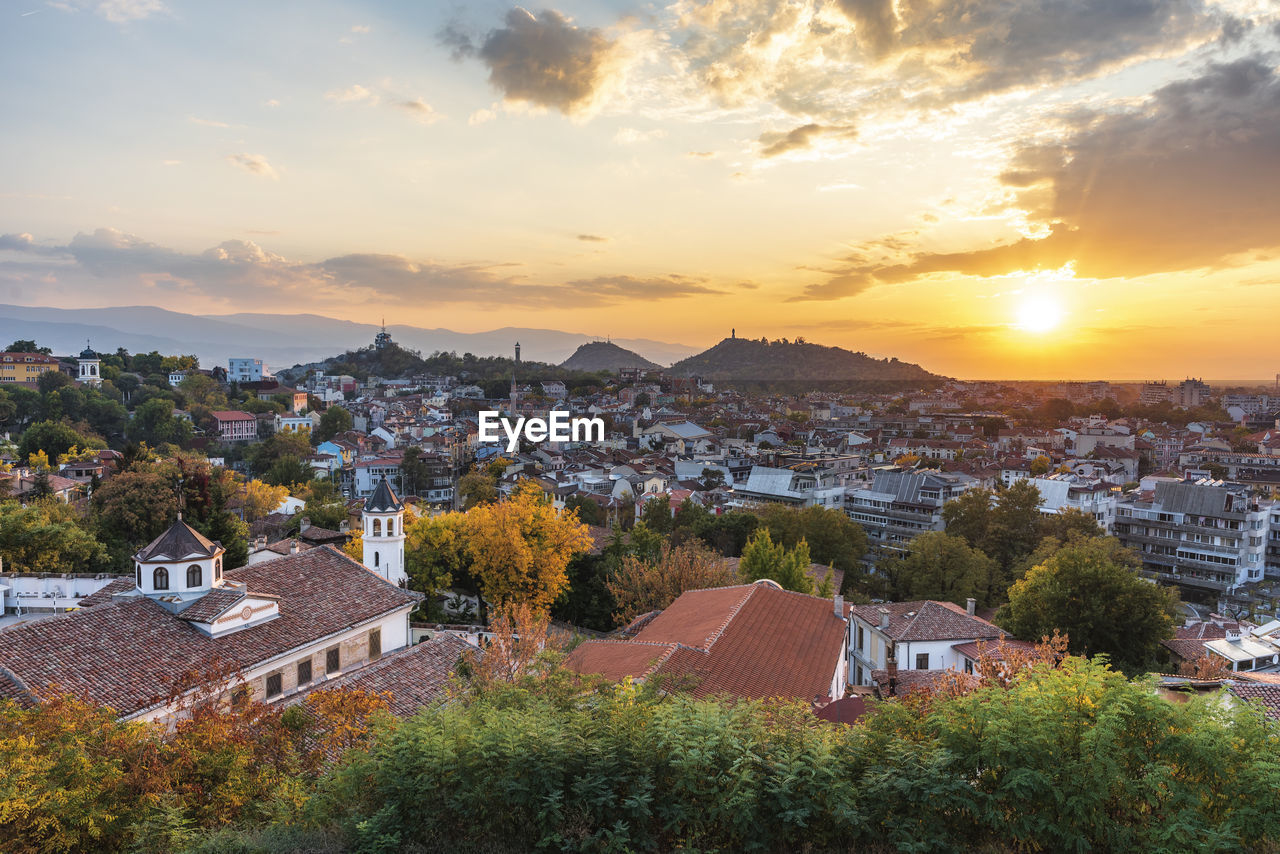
[520, 548]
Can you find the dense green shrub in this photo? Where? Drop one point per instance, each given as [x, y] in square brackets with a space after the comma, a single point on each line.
[1075, 759]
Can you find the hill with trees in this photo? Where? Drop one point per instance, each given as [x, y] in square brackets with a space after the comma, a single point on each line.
[491, 372]
[762, 360]
[605, 356]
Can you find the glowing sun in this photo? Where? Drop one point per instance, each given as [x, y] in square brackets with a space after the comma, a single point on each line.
[1039, 313]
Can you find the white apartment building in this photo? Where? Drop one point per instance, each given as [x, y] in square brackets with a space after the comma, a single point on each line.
[246, 370]
[900, 505]
[1205, 535]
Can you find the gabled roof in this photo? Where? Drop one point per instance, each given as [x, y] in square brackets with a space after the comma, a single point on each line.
[127, 652]
[180, 541]
[383, 500]
[415, 676]
[926, 620]
[753, 640]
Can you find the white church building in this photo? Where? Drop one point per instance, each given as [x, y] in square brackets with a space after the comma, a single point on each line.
[383, 537]
[283, 627]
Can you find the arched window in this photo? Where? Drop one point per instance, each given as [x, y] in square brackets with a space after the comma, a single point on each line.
[391, 527]
[160, 578]
[377, 527]
[375, 558]
[195, 575]
[217, 570]
[138, 573]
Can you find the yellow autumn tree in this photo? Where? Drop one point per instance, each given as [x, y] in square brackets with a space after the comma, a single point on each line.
[261, 499]
[520, 549]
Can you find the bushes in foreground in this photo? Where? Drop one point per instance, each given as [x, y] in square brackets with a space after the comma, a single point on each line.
[1074, 758]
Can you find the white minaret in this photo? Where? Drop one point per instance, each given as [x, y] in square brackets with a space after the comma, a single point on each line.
[90, 366]
[384, 534]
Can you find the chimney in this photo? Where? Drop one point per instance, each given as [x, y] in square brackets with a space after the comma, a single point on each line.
[971, 606]
[304, 524]
[839, 606]
[891, 670]
[884, 618]
[293, 547]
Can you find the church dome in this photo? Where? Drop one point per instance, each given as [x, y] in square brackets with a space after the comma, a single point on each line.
[87, 353]
[383, 500]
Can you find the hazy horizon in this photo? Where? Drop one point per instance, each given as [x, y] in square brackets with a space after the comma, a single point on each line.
[1078, 189]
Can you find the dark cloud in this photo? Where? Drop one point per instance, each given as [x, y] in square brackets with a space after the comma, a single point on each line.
[543, 59]
[455, 37]
[593, 238]
[239, 270]
[1184, 182]
[875, 21]
[799, 139]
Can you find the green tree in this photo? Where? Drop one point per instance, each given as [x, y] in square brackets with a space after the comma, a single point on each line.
[1090, 590]
[589, 511]
[657, 514]
[712, 478]
[55, 439]
[477, 487]
[154, 423]
[435, 553]
[46, 537]
[834, 539]
[131, 509]
[335, 420]
[941, 567]
[762, 558]
[26, 345]
[264, 455]
[288, 471]
[51, 381]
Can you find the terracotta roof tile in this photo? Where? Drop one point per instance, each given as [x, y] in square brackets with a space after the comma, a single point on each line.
[751, 640]
[415, 676]
[126, 653]
[1268, 696]
[928, 620]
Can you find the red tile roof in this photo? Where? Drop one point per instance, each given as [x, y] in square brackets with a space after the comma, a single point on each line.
[1268, 696]
[751, 640]
[126, 652]
[415, 676]
[926, 620]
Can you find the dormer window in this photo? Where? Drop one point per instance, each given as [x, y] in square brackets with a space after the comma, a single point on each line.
[195, 575]
[160, 578]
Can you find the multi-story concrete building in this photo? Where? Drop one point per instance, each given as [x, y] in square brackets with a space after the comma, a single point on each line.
[805, 485]
[900, 505]
[1062, 492]
[1201, 535]
[246, 370]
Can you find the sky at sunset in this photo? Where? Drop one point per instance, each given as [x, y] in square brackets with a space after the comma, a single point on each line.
[990, 188]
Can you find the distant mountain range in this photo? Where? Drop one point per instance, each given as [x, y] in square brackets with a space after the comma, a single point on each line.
[757, 360]
[280, 339]
[605, 356]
